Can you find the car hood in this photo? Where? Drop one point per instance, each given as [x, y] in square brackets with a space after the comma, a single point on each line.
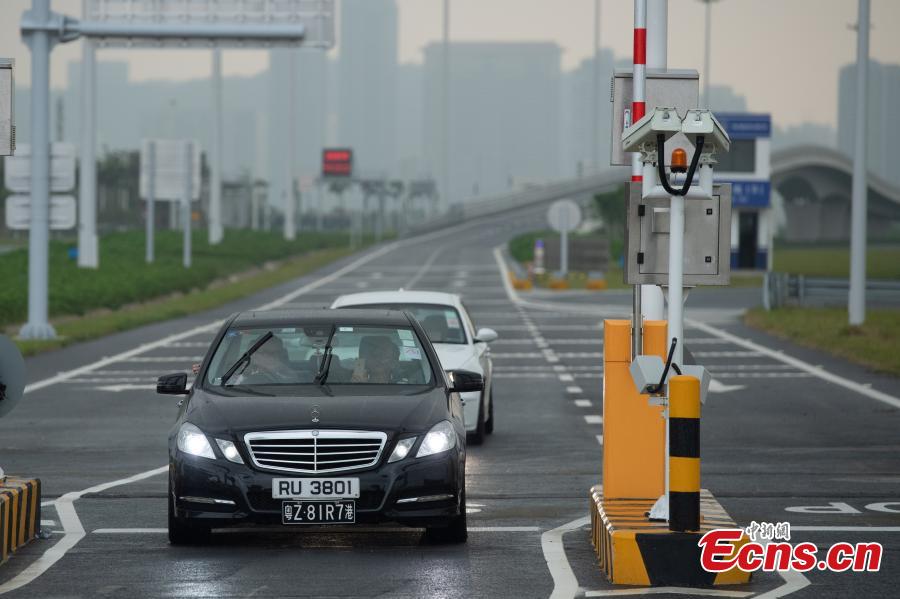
[348, 408]
[456, 356]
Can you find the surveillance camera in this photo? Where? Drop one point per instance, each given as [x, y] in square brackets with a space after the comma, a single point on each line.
[661, 120]
[699, 122]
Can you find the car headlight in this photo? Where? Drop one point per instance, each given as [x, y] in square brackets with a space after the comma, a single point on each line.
[191, 440]
[229, 451]
[402, 449]
[440, 438]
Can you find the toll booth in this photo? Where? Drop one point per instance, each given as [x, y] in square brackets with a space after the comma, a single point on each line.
[747, 166]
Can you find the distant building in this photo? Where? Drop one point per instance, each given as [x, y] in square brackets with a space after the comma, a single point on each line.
[883, 121]
[368, 84]
[747, 166]
[577, 139]
[504, 115]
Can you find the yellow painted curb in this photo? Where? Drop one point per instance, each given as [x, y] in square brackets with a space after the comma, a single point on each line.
[20, 513]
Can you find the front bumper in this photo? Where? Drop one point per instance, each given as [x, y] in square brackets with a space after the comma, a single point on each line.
[234, 494]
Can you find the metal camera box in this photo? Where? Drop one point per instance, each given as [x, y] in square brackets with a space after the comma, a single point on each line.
[707, 239]
[7, 115]
[675, 88]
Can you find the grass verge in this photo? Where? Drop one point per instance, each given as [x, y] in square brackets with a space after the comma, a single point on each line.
[104, 322]
[876, 344]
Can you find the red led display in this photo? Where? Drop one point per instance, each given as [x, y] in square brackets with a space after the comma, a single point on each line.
[337, 163]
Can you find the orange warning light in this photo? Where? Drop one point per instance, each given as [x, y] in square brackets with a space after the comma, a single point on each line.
[679, 161]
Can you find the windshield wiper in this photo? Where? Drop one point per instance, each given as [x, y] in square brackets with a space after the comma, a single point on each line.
[322, 375]
[244, 358]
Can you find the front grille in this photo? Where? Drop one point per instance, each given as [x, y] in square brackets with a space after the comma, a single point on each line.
[315, 451]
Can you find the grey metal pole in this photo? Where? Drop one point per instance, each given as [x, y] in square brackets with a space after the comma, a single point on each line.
[186, 204]
[595, 100]
[445, 109]
[38, 327]
[290, 232]
[87, 197]
[215, 167]
[151, 201]
[564, 243]
[857, 299]
[706, 53]
[320, 206]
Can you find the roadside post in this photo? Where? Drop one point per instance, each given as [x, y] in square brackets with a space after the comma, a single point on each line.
[564, 216]
[169, 172]
[151, 203]
[186, 202]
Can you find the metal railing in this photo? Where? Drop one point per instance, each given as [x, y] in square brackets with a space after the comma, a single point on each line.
[782, 289]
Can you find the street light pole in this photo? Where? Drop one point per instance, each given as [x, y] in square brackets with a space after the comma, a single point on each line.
[38, 327]
[856, 305]
[215, 167]
[290, 232]
[706, 52]
[445, 108]
[595, 106]
[87, 177]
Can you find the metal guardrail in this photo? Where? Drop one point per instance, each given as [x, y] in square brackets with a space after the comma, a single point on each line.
[782, 289]
[536, 194]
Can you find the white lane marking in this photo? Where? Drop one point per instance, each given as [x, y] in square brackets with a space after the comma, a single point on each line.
[566, 378]
[667, 591]
[725, 354]
[574, 389]
[600, 439]
[593, 419]
[716, 386]
[184, 344]
[48, 522]
[73, 531]
[152, 359]
[583, 403]
[424, 268]
[800, 365]
[129, 531]
[126, 387]
[565, 585]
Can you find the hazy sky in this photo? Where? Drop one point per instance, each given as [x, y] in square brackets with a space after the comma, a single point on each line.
[782, 55]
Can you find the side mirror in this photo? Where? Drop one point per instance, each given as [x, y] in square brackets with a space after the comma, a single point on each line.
[465, 381]
[172, 384]
[486, 335]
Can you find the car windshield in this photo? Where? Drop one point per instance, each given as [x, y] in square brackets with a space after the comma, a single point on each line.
[442, 324]
[372, 355]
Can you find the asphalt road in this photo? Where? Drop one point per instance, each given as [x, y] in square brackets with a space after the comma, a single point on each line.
[776, 435]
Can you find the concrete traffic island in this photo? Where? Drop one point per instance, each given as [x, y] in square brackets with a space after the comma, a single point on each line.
[20, 513]
[634, 550]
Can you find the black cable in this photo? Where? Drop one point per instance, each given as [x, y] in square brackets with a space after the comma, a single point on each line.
[661, 165]
[662, 379]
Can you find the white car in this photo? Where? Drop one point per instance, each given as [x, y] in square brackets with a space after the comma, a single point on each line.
[459, 347]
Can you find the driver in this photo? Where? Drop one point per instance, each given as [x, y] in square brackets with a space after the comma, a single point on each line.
[269, 362]
[378, 356]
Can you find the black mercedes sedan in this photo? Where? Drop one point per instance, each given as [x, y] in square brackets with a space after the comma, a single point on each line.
[328, 417]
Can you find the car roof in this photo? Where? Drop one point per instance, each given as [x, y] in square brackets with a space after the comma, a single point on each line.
[288, 317]
[398, 296]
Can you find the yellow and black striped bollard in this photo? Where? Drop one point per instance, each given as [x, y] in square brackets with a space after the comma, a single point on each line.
[684, 453]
